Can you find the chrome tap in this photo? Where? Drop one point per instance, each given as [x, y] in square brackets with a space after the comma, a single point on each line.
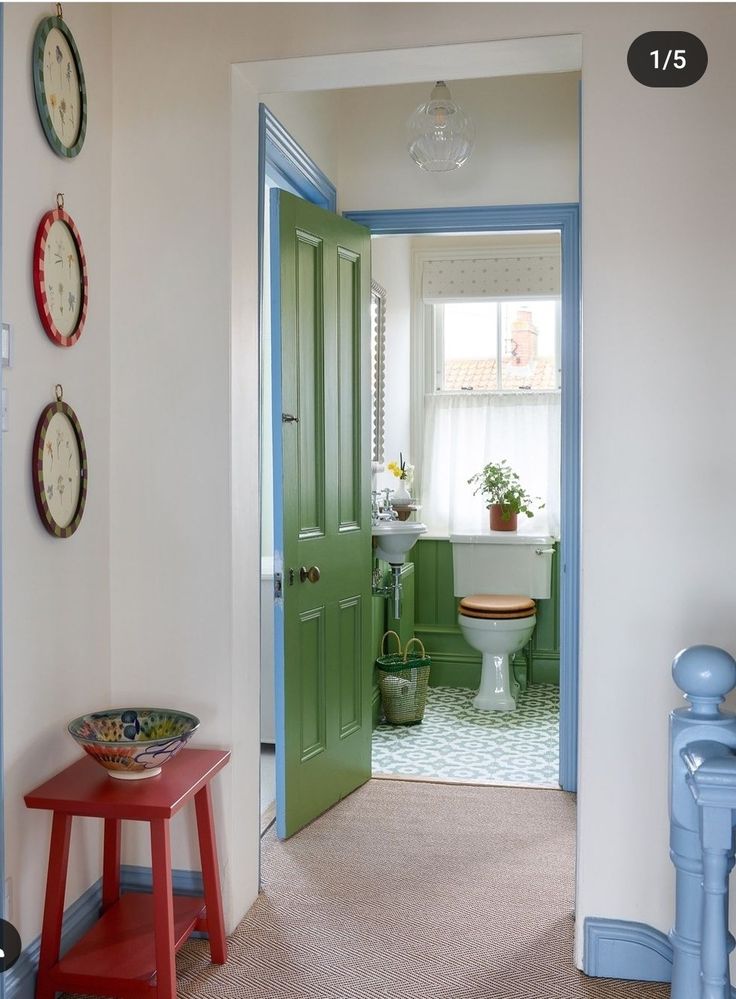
[381, 510]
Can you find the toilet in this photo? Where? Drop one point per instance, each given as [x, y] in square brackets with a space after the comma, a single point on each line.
[498, 577]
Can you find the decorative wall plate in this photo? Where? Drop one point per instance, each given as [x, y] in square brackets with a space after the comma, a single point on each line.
[58, 80]
[60, 276]
[59, 468]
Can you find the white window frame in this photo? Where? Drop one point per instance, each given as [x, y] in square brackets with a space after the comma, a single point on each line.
[434, 341]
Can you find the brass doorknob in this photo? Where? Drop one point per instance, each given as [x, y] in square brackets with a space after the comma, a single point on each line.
[312, 574]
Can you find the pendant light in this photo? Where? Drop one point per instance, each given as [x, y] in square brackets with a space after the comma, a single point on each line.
[441, 136]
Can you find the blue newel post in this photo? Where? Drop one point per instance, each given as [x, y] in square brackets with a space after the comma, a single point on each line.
[701, 735]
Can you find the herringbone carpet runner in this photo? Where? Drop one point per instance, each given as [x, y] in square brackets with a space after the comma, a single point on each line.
[414, 891]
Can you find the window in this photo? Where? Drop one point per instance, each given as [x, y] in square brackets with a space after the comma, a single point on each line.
[496, 346]
[487, 334]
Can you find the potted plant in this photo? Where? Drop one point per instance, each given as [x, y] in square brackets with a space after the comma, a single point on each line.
[504, 494]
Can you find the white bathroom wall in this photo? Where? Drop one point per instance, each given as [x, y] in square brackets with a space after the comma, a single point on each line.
[56, 595]
[658, 168]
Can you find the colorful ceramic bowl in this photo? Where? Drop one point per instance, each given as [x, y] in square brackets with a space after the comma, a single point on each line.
[133, 743]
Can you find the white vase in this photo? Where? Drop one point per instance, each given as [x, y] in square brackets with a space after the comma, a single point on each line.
[401, 493]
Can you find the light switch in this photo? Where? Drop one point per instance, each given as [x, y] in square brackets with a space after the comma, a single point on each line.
[7, 345]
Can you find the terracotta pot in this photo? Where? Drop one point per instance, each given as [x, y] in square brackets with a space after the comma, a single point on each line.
[497, 521]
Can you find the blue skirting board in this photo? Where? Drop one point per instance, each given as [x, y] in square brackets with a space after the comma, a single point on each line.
[20, 981]
[615, 948]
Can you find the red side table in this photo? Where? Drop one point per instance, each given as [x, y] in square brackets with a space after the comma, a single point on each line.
[131, 950]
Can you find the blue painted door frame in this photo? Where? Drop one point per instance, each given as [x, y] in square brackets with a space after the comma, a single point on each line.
[564, 218]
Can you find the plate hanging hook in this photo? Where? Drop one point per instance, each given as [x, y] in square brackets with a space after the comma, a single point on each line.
[59, 12]
[60, 200]
[59, 392]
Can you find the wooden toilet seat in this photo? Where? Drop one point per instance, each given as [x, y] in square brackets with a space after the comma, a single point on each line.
[496, 606]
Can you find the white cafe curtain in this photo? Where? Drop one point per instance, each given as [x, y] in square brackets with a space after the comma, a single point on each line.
[463, 432]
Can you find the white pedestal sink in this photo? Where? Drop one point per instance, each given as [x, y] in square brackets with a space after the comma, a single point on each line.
[395, 538]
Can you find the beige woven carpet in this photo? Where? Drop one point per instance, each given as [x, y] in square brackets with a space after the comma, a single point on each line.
[414, 891]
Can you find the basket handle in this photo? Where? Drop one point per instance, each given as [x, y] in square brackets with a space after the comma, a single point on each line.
[420, 643]
[383, 642]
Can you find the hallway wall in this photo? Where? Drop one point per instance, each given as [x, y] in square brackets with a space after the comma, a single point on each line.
[56, 593]
[658, 213]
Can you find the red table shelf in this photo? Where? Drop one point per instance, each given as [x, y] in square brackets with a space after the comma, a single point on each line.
[130, 951]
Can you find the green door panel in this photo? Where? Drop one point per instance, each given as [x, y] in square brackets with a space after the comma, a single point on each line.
[323, 690]
[308, 358]
[350, 665]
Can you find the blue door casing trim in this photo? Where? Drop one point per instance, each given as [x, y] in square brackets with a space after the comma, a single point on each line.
[278, 513]
[566, 219]
[281, 156]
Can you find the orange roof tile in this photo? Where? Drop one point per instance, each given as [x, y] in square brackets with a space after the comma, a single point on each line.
[480, 374]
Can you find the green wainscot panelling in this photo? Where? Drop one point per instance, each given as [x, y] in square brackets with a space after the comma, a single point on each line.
[384, 620]
[454, 663]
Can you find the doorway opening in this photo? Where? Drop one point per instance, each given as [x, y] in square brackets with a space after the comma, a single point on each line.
[465, 222]
[477, 318]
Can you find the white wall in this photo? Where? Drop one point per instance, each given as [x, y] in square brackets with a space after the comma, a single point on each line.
[657, 167]
[56, 592]
[526, 148]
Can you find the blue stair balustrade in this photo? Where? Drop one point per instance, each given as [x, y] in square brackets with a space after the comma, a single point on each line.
[702, 814]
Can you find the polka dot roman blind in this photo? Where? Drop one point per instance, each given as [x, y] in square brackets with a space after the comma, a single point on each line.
[492, 277]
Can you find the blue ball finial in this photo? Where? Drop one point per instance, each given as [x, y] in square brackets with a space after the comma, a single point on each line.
[705, 674]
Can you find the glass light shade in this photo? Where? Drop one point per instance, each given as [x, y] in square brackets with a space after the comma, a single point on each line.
[441, 135]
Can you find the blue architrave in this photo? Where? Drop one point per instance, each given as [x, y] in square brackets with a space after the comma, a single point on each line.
[281, 156]
[566, 219]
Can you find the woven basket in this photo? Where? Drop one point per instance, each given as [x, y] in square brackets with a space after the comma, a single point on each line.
[403, 680]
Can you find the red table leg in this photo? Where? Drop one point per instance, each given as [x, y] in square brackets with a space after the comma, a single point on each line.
[163, 906]
[111, 864]
[54, 905]
[210, 875]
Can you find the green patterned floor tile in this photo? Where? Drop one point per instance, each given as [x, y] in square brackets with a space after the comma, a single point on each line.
[457, 742]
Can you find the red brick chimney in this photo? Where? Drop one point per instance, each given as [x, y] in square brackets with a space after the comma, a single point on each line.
[520, 348]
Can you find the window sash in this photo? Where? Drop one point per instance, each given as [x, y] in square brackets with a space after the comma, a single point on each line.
[434, 327]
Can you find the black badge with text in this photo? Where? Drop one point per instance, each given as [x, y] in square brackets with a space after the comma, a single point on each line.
[667, 59]
[10, 945]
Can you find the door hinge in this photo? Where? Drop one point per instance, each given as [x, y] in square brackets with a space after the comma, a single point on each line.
[288, 418]
[278, 588]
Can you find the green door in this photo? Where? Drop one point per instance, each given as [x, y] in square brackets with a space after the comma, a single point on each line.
[322, 521]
